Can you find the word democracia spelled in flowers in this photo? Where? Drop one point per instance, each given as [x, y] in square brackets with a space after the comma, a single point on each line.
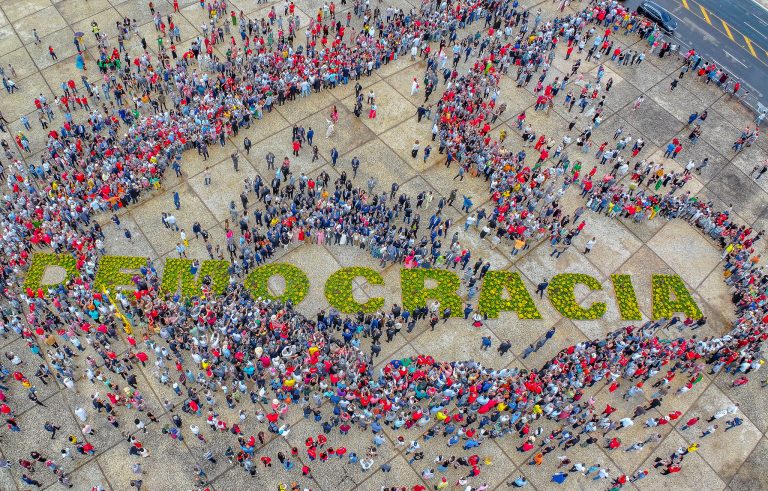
[501, 291]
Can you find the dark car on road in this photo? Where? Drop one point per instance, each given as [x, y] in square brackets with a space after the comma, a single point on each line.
[659, 15]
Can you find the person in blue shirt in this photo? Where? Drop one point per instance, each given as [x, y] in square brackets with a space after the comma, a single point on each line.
[334, 156]
[486, 343]
[467, 204]
[519, 482]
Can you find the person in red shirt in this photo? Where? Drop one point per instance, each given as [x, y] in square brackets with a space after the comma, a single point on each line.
[689, 423]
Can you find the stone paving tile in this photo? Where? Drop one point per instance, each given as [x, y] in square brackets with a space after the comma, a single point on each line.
[538, 264]
[89, 474]
[392, 108]
[226, 187]
[402, 145]
[714, 290]
[18, 10]
[316, 103]
[508, 95]
[21, 62]
[280, 145]
[377, 161]
[9, 41]
[750, 476]
[615, 246]
[747, 160]
[653, 121]
[645, 76]
[751, 400]
[708, 93]
[721, 133]
[46, 21]
[734, 187]
[735, 113]
[148, 217]
[678, 102]
[695, 251]
[441, 344]
[638, 249]
[76, 11]
[695, 472]
[724, 451]
[65, 51]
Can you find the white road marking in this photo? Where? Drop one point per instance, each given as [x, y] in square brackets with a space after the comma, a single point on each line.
[734, 59]
[760, 4]
[755, 29]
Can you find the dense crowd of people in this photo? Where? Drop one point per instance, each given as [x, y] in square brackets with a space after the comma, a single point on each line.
[103, 154]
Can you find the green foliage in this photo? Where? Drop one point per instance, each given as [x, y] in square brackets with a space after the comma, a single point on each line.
[177, 274]
[338, 290]
[520, 301]
[662, 285]
[626, 298]
[415, 294]
[110, 273]
[561, 294]
[40, 263]
[296, 282]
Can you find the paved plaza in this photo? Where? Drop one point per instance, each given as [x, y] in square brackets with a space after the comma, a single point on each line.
[733, 460]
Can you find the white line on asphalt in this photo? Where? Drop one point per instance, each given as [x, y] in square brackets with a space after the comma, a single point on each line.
[734, 59]
[760, 4]
[755, 29]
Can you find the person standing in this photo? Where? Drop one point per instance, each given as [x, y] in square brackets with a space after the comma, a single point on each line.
[590, 244]
[486, 343]
[52, 428]
[415, 149]
[207, 176]
[334, 156]
[30, 481]
[542, 288]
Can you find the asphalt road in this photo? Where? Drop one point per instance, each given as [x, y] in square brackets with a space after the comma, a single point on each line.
[732, 33]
